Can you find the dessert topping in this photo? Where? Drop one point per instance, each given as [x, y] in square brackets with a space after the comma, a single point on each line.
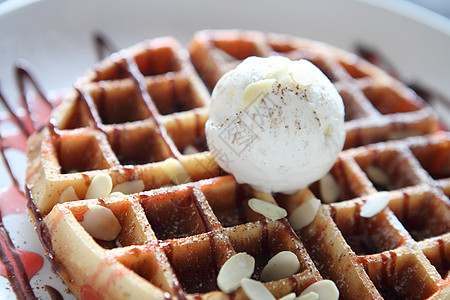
[282, 265]
[255, 92]
[304, 214]
[329, 189]
[255, 290]
[267, 209]
[240, 265]
[129, 187]
[374, 204]
[309, 296]
[378, 176]
[326, 289]
[275, 124]
[68, 195]
[101, 186]
[101, 223]
[290, 296]
[175, 170]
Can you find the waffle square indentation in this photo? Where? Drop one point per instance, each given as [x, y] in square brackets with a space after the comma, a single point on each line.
[368, 235]
[397, 167]
[229, 204]
[423, 214]
[400, 275]
[388, 101]
[173, 214]
[434, 158]
[263, 240]
[81, 151]
[137, 145]
[119, 102]
[194, 262]
[174, 93]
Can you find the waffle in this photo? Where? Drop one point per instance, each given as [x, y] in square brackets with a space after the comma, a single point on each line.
[144, 108]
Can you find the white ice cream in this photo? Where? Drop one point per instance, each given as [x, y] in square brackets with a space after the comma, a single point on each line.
[275, 124]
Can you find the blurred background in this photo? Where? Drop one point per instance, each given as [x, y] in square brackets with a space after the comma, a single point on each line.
[440, 6]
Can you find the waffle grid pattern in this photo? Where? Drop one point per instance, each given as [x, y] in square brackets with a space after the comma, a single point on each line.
[404, 250]
[125, 117]
[175, 239]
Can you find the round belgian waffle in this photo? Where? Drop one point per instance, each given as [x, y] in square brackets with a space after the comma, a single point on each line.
[135, 113]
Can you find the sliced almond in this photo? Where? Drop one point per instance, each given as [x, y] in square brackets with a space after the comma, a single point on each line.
[175, 170]
[130, 187]
[100, 186]
[255, 290]
[326, 289]
[378, 176]
[267, 209]
[256, 91]
[188, 150]
[116, 194]
[68, 195]
[290, 296]
[282, 265]
[280, 72]
[240, 265]
[329, 189]
[308, 296]
[304, 214]
[374, 204]
[302, 72]
[266, 196]
[101, 223]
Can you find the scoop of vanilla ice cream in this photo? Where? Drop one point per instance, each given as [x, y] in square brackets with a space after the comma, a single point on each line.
[275, 124]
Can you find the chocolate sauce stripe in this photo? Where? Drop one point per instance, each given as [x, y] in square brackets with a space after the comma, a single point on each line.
[15, 271]
[14, 268]
[14, 116]
[23, 74]
[90, 106]
[6, 162]
[53, 293]
[103, 45]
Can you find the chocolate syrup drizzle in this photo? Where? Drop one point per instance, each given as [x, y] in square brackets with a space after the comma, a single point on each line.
[54, 294]
[23, 74]
[14, 116]
[15, 270]
[104, 46]
[87, 100]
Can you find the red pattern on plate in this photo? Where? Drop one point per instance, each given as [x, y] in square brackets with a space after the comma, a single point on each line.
[31, 261]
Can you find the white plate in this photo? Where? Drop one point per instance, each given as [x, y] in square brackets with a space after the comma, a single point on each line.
[56, 37]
